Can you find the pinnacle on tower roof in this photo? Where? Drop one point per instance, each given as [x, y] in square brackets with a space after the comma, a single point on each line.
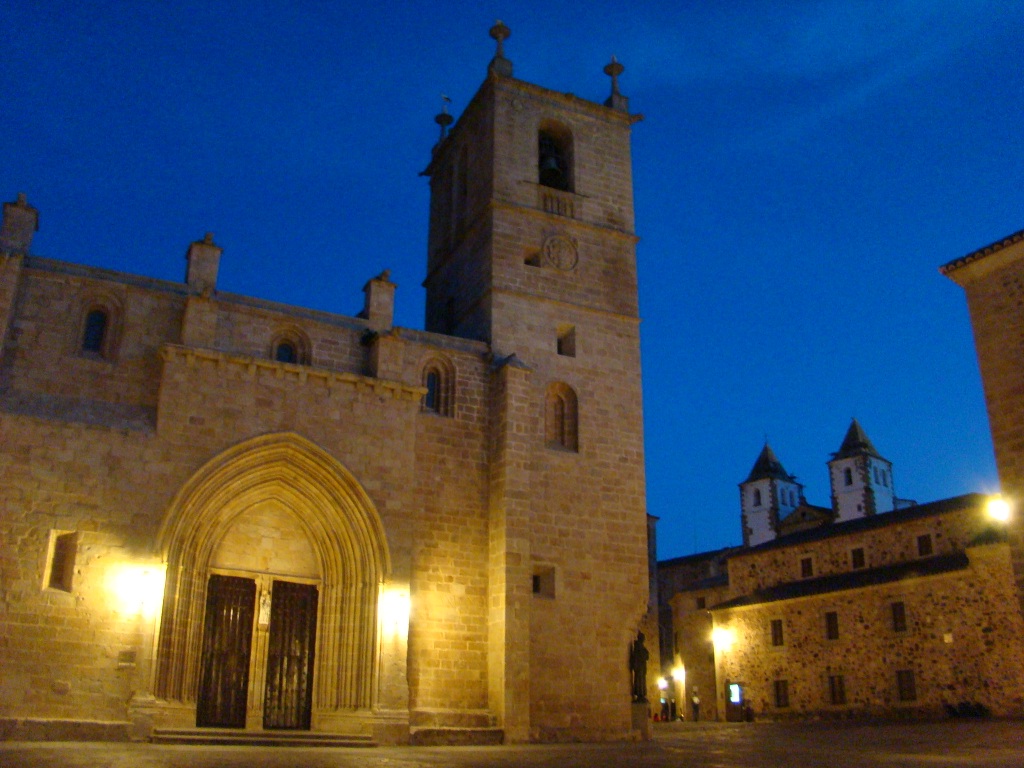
[856, 443]
[499, 64]
[768, 466]
[616, 100]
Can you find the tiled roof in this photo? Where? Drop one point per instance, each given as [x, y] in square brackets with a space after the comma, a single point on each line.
[882, 520]
[931, 566]
[981, 253]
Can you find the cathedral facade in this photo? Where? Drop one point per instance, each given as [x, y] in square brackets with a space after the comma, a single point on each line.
[219, 512]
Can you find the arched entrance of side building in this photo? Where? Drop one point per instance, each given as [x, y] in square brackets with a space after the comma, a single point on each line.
[275, 556]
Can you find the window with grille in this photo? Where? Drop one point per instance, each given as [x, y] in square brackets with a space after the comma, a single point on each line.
[836, 690]
[831, 625]
[905, 685]
[899, 617]
[857, 557]
[778, 638]
[924, 545]
[781, 693]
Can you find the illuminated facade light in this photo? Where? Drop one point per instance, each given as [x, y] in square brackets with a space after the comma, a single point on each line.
[722, 638]
[998, 509]
[137, 590]
[394, 611]
[662, 683]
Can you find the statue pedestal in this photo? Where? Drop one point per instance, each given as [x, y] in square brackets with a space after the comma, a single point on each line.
[642, 720]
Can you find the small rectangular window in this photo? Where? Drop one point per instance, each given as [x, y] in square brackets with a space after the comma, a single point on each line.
[857, 557]
[836, 690]
[781, 693]
[832, 625]
[62, 561]
[701, 603]
[899, 617]
[905, 684]
[544, 582]
[567, 341]
[806, 568]
[924, 545]
[777, 637]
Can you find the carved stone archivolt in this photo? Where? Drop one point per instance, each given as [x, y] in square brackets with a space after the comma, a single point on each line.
[347, 538]
[561, 252]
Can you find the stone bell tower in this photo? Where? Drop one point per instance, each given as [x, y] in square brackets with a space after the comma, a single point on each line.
[531, 249]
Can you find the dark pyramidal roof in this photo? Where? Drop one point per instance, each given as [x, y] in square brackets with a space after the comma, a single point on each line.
[768, 465]
[856, 443]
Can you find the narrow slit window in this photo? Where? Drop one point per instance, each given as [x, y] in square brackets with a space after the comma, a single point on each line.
[62, 561]
[836, 690]
[778, 638]
[781, 694]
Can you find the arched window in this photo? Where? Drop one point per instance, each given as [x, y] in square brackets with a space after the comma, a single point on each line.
[285, 352]
[757, 497]
[290, 345]
[561, 427]
[95, 333]
[848, 476]
[98, 332]
[439, 381]
[555, 157]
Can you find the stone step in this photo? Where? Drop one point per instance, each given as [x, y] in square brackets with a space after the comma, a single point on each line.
[434, 736]
[239, 737]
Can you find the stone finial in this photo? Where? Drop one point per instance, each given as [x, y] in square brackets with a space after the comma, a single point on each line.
[443, 118]
[202, 264]
[616, 101]
[379, 309]
[20, 223]
[499, 64]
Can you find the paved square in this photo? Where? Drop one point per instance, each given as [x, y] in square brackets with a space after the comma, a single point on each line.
[988, 744]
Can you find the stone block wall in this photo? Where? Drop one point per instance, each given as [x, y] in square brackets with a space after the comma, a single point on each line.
[962, 643]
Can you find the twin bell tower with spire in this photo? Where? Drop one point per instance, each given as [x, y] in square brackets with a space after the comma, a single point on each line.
[772, 502]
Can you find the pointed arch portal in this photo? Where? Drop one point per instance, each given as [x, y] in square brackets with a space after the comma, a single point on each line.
[348, 548]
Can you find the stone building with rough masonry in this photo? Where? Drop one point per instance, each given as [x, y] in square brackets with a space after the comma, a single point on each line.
[219, 512]
[874, 606]
[993, 281]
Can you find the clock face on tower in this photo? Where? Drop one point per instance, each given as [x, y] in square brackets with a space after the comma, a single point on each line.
[560, 252]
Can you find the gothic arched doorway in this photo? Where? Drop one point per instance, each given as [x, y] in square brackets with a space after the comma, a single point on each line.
[274, 556]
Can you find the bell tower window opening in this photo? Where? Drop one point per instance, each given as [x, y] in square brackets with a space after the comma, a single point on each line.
[95, 332]
[554, 157]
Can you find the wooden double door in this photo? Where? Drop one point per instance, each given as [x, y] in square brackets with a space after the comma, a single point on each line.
[284, 659]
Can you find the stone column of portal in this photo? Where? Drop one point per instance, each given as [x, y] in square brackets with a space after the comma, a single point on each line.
[509, 578]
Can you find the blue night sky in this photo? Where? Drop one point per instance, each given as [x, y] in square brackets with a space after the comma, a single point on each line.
[802, 170]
